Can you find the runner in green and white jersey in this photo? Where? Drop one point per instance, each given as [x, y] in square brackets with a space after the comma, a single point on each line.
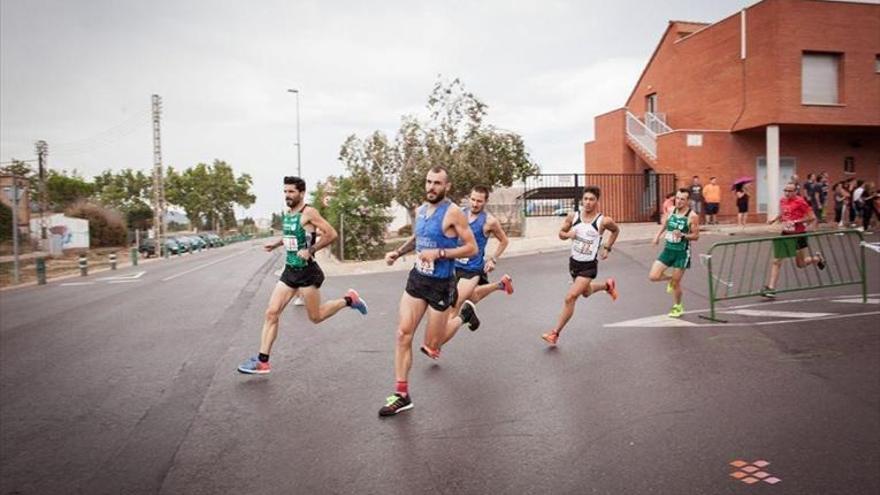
[680, 227]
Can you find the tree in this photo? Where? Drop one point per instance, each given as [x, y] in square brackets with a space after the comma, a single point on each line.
[208, 193]
[64, 190]
[21, 169]
[454, 135]
[363, 222]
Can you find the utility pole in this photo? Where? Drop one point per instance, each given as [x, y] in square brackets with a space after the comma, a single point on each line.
[42, 153]
[158, 180]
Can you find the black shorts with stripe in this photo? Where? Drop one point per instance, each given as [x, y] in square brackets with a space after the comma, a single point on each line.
[440, 293]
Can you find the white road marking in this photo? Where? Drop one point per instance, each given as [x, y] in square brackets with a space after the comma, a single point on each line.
[76, 284]
[857, 300]
[776, 314]
[123, 281]
[205, 265]
[123, 277]
[654, 321]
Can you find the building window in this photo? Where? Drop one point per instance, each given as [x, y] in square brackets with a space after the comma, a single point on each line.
[849, 165]
[820, 78]
[877, 64]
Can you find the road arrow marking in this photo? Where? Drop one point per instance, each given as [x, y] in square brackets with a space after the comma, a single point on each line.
[132, 276]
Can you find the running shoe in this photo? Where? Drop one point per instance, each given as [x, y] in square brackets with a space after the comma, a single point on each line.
[356, 301]
[669, 287]
[506, 284]
[612, 288]
[431, 353]
[821, 262]
[676, 311]
[253, 366]
[551, 337]
[396, 404]
[768, 292]
[299, 301]
[468, 314]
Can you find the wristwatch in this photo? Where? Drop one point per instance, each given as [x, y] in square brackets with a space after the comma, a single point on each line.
[494, 260]
[607, 247]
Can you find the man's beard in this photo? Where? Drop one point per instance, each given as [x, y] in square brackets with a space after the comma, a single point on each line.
[291, 203]
[438, 198]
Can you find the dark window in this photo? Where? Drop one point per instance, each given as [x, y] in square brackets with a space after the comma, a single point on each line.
[849, 165]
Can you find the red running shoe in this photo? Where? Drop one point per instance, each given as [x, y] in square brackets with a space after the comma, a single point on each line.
[612, 288]
[550, 337]
[507, 283]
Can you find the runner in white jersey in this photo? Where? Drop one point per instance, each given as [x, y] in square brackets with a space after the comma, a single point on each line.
[585, 229]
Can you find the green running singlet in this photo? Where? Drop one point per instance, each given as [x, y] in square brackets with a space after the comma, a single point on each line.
[677, 222]
[294, 238]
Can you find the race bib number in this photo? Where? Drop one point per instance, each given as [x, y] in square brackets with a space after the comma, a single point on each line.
[788, 226]
[290, 243]
[424, 267]
[673, 237]
[463, 261]
[585, 247]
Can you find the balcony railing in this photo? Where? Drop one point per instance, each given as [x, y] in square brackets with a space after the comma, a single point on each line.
[641, 135]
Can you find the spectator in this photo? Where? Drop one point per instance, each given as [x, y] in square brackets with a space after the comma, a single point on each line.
[668, 204]
[858, 202]
[712, 195]
[869, 200]
[840, 199]
[742, 203]
[850, 207]
[811, 193]
[696, 201]
[823, 195]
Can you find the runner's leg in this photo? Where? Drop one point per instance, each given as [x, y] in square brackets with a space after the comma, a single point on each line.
[577, 288]
[319, 312]
[677, 275]
[281, 295]
[465, 290]
[410, 314]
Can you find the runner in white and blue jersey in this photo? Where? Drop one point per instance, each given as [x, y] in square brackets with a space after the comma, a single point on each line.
[472, 273]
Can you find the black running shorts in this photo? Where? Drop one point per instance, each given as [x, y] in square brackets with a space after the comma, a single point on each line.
[468, 274]
[309, 276]
[588, 269]
[440, 293]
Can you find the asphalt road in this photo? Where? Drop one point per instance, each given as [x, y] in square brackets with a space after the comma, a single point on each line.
[128, 385]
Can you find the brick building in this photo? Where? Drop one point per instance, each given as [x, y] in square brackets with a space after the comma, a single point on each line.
[781, 87]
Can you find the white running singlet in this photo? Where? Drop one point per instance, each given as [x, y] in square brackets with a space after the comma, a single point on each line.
[588, 238]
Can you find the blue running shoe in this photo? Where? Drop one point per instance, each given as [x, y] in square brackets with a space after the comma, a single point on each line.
[356, 301]
[253, 366]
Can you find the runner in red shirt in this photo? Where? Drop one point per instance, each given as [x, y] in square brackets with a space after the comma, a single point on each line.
[794, 214]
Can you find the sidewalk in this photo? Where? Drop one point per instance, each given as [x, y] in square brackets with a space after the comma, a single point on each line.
[522, 246]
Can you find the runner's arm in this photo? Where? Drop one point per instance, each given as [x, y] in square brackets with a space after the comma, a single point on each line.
[409, 245]
[328, 233]
[610, 225]
[496, 230]
[565, 232]
[458, 221]
[693, 227]
[501, 235]
[660, 232]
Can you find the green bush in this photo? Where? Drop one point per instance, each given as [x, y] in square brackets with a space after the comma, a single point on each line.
[106, 227]
[363, 224]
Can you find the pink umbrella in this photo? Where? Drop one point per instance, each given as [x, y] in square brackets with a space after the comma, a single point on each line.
[742, 180]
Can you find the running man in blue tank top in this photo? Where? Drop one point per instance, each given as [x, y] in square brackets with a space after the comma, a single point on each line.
[301, 276]
[472, 273]
[441, 235]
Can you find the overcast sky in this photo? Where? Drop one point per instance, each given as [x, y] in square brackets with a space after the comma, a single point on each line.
[79, 74]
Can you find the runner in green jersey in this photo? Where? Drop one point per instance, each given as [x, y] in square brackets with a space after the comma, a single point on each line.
[680, 227]
[301, 275]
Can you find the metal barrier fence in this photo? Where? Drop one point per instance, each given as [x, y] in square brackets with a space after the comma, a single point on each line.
[739, 269]
[625, 197]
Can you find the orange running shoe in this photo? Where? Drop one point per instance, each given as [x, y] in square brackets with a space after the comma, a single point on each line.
[612, 288]
[551, 337]
[431, 353]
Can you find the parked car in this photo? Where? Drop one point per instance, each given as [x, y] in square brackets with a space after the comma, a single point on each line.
[197, 242]
[185, 245]
[147, 248]
[172, 246]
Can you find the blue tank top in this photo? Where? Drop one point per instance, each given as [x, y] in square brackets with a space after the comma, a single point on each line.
[475, 262]
[430, 235]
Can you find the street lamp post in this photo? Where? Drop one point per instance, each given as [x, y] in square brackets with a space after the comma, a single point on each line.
[298, 146]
